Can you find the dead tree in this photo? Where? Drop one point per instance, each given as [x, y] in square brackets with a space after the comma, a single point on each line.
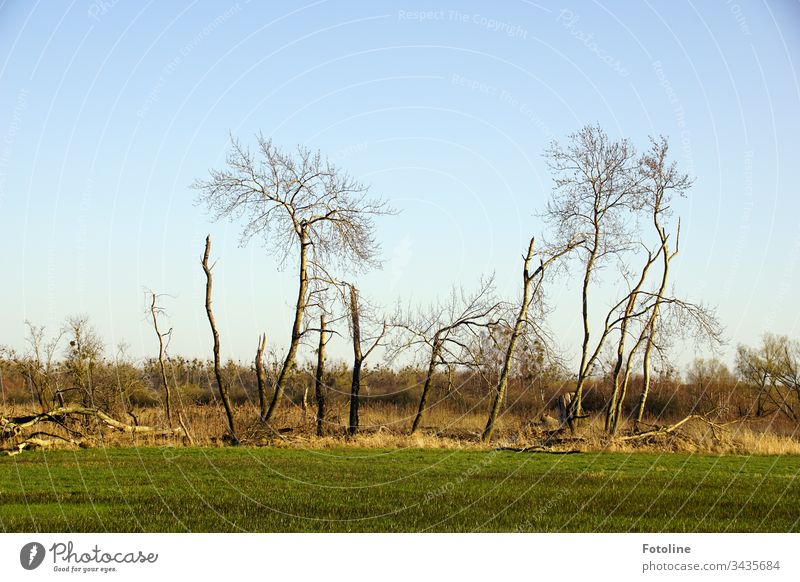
[12, 430]
[618, 385]
[223, 389]
[359, 355]
[662, 180]
[596, 187]
[774, 370]
[531, 282]
[319, 385]
[38, 366]
[302, 203]
[262, 385]
[443, 330]
[155, 311]
[84, 353]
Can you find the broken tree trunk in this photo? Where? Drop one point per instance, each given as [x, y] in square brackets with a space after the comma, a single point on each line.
[154, 310]
[319, 387]
[223, 389]
[423, 400]
[358, 360]
[519, 326]
[262, 386]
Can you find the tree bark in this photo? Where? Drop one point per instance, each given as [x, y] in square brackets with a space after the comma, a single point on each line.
[262, 385]
[223, 389]
[519, 324]
[162, 367]
[423, 401]
[576, 410]
[319, 386]
[666, 257]
[358, 359]
[297, 327]
[615, 401]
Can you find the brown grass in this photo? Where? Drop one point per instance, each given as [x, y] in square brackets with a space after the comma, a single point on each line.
[387, 425]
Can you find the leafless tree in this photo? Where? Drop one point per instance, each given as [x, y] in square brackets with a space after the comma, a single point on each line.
[302, 203]
[319, 383]
[38, 365]
[84, 353]
[773, 370]
[531, 283]
[444, 330]
[619, 382]
[662, 181]
[360, 352]
[597, 186]
[260, 380]
[221, 386]
[155, 311]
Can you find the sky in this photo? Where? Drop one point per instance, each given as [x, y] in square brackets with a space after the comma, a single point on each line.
[109, 110]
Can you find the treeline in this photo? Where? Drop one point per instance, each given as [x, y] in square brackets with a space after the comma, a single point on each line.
[75, 368]
[609, 223]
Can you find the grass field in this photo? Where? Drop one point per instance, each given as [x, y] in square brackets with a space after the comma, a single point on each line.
[342, 490]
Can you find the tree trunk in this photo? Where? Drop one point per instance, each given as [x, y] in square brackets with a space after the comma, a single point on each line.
[262, 385]
[522, 318]
[358, 359]
[223, 390]
[667, 257]
[640, 405]
[319, 387]
[297, 327]
[423, 401]
[576, 409]
[615, 402]
[164, 383]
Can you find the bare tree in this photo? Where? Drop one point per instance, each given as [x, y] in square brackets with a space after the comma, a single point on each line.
[661, 181]
[38, 366]
[359, 354]
[83, 355]
[155, 312]
[619, 384]
[531, 283]
[596, 187]
[442, 328]
[262, 385]
[221, 386]
[773, 370]
[300, 203]
[319, 384]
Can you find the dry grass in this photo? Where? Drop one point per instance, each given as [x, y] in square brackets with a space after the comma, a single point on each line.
[385, 425]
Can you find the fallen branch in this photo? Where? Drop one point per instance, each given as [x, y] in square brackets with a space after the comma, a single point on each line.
[36, 442]
[671, 429]
[14, 425]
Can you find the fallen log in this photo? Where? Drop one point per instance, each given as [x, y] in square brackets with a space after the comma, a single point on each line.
[14, 425]
[671, 429]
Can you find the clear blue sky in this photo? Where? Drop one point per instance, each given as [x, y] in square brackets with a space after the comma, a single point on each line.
[110, 109]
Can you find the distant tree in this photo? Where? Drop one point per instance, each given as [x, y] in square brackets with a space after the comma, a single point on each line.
[84, 353]
[38, 366]
[773, 371]
[302, 203]
[711, 384]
